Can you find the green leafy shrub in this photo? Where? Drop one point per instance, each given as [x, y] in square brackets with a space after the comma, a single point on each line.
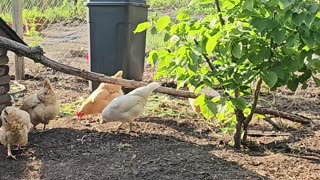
[253, 41]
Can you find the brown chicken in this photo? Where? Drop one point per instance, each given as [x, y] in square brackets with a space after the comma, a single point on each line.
[42, 106]
[100, 98]
[16, 125]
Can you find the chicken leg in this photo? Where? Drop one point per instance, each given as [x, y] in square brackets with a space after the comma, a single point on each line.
[19, 148]
[120, 125]
[130, 126]
[10, 153]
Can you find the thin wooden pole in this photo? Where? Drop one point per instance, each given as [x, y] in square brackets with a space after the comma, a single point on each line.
[17, 6]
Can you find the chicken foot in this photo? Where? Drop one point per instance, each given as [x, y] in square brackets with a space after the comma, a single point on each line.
[10, 155]
[121, 124]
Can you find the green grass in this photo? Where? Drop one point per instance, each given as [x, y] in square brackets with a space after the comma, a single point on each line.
[160, 105]
[182, 6]
[163, 4]
[154, 41]
[69, 109]
[198, 9]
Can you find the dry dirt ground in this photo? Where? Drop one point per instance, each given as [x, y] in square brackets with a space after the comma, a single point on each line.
[162, 147]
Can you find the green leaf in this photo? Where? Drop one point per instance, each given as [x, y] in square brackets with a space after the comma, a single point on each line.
[162, 23]
[293, 84]
[297, 18]
[211, 43]
[227, 5]
[259, 56]
[259, 23]
[290, 40]
[305, 76]
[314, 7]
[174, 29]
[208, 108]
[152, 58]
[142, 27]
[269, 77]
[236, 50]
[287, 15]
[316, 80]
[317, 36]
[308, 19]
[286, 3]
[308, 38]
[248, 5]
[240, 103]
[166, 37]
[278, 35]
[182, 17]
[279, 71]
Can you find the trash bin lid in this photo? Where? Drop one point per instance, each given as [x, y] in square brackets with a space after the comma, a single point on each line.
[115, 2]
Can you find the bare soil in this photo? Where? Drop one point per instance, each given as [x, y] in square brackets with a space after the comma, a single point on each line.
[158, 148]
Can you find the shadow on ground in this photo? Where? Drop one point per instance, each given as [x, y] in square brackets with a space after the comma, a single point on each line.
[86, 154]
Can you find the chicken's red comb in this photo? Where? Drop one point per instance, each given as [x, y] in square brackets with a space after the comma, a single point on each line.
[78, 115]
[87, 57]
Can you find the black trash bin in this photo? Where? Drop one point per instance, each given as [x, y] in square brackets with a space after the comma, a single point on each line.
[112, 44]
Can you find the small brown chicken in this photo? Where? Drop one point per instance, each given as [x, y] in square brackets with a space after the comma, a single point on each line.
[100, 98]
[207, 91]
[42, 106]
[16, 125]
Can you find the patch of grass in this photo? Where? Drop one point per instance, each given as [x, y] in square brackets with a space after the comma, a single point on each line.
[198, 9]
[164, 106]
[163, 4]
[154, 41]
[69, 109]
[182, 6]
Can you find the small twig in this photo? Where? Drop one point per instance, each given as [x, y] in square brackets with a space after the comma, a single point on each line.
[219, 11]
[254, 104]
[253, 108]
[82, 139]
[284, 115]
[267, 119]
[205, 57]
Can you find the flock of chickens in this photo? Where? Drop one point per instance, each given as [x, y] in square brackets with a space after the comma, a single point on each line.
[107, 100]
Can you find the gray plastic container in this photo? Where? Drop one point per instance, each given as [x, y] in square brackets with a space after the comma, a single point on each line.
[112, 44]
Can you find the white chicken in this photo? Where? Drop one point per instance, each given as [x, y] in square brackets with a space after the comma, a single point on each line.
[128, 107]
[207, 91]
[16, 125]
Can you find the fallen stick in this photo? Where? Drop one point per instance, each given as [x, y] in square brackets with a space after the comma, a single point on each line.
[284, 115]
[267, 119]
[36, 54]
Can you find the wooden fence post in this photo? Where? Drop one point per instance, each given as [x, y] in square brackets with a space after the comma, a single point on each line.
[17, 7]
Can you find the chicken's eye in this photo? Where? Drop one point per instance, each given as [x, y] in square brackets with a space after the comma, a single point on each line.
[5, 111]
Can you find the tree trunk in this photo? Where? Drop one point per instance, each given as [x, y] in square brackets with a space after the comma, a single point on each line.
[237, 134]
